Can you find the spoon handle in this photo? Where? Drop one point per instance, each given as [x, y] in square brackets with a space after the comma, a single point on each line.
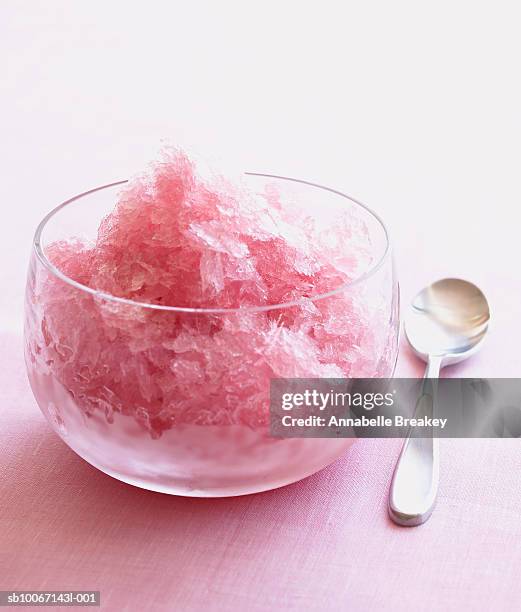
[415, 481]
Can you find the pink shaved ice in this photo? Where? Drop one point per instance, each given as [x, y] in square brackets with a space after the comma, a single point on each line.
[179, 238]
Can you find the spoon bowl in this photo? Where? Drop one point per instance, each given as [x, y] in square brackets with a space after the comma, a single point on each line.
[448, 319]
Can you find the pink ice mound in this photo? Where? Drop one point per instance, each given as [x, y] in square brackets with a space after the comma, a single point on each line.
[180, 238]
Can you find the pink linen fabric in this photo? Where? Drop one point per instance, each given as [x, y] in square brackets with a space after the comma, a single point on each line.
[323, 543]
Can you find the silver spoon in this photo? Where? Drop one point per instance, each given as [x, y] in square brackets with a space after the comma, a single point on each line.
[446, 324]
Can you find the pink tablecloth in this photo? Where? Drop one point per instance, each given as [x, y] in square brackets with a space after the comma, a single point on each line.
[324, 543]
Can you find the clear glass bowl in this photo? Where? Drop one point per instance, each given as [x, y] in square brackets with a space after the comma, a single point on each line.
[92, 360]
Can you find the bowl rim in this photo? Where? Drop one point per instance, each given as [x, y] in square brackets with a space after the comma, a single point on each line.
[101, 295]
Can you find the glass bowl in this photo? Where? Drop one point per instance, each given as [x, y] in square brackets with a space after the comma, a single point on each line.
[119, 383]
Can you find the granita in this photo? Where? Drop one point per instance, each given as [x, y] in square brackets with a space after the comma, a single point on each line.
[200, 291]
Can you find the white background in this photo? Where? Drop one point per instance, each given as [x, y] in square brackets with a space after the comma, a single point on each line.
[413, 107]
